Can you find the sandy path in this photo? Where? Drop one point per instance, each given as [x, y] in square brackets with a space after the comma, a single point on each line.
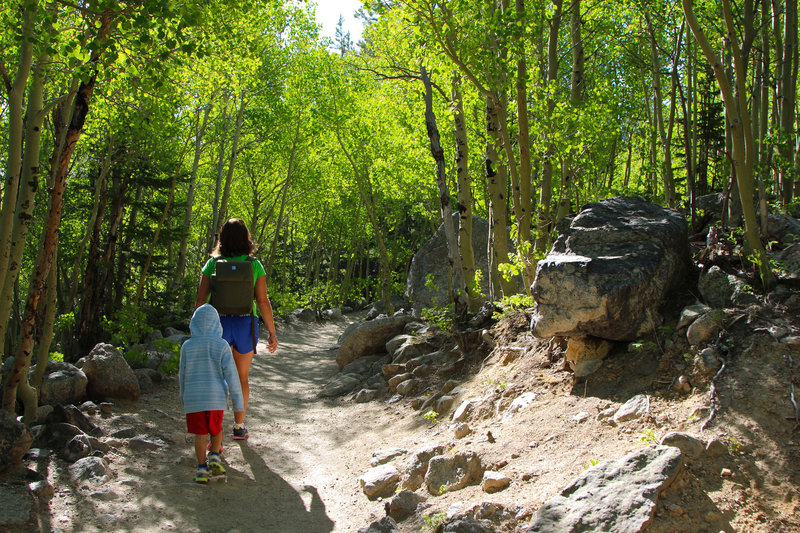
[296, 473]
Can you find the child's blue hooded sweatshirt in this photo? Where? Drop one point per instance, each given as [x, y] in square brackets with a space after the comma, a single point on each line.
[206, 365]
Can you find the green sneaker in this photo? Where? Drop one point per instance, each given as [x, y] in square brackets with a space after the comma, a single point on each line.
[215, 464]
[201, 476]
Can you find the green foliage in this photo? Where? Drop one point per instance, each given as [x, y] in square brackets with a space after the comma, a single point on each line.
[592, 462]
[127, 327]
[639, 346]
[648, 437]
[440, 317]
[432, 522]
[432, 417]
[171, 364]
[734, 444]
[56, 356]
[515, 302]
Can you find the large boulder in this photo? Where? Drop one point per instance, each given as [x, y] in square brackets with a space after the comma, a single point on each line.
[62, 384]
[616, 495]
[369, 338]
[109, 374]
[431, 260]
[609, 270]
[448, 474]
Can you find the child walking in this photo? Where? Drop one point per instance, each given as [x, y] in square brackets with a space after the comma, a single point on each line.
[206, 367]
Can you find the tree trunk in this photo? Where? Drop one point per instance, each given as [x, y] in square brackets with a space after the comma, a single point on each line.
[459, 290]
[180, 268]
[464, 194]
[16, 128]
[237, 133]
[497, 183]
[738, 115]
[97, 213]
[543, 222]
[170, 198]
[49, 238]
[787, 87]
[25, 191]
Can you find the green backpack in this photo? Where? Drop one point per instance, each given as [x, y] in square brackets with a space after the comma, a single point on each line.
[232, 290]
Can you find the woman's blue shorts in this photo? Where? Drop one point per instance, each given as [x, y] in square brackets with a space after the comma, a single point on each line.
[236, 329]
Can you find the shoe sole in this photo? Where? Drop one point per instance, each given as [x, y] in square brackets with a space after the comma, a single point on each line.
[240, 438]
[216, 469]
[201, 480]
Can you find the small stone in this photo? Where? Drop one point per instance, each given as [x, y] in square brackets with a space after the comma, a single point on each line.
[726, 472]
[106, 407]
[581, 417]
[461, 430]
[716, 448]
[494, 481]
[682, 384]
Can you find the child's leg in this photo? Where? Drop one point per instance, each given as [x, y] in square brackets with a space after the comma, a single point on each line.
[200, 448]
[216, 442]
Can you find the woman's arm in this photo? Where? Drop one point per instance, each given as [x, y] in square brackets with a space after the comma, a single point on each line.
[265, 308]
[202, 290]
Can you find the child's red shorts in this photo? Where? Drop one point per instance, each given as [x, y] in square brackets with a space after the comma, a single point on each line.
[204, 422]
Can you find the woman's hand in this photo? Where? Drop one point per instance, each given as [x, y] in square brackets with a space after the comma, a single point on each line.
[272, 343]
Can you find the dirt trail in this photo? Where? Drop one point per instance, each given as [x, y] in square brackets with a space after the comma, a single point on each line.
[296, 473]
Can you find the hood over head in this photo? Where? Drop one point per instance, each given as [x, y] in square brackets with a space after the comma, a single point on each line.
[205, 322]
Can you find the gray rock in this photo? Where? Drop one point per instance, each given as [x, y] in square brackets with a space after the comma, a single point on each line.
[463, 411]
[19, 512]
[15, 440]
[444, 404]
[417, 466]
[703, 329]
[633, 408]
[447, 474]
[77, 448]
[333, 314]
[717, 288]
[368, 338]
[468, 525]
[109, 374]
[431, 260]
[397, 341]
[380, 457]
[407, 387]
[303, 315]
[789, 261]
[494, 481]
[708, 361]
[586, 354]
[90, 469]
[406, 352]
[617, 495]
[690, 313]
[62, 384]
[362, 365]
[783, 228]
[74, 416]
[169, 331]
[394, 381]
[691, 446]
[404, 504]
[384, 525]
[461, 430]
[340, 384]
[140, 443]
[609, 271]
[366, 395]
[380, 481]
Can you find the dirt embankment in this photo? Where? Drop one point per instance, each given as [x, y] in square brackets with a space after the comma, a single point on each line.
[298, 471]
